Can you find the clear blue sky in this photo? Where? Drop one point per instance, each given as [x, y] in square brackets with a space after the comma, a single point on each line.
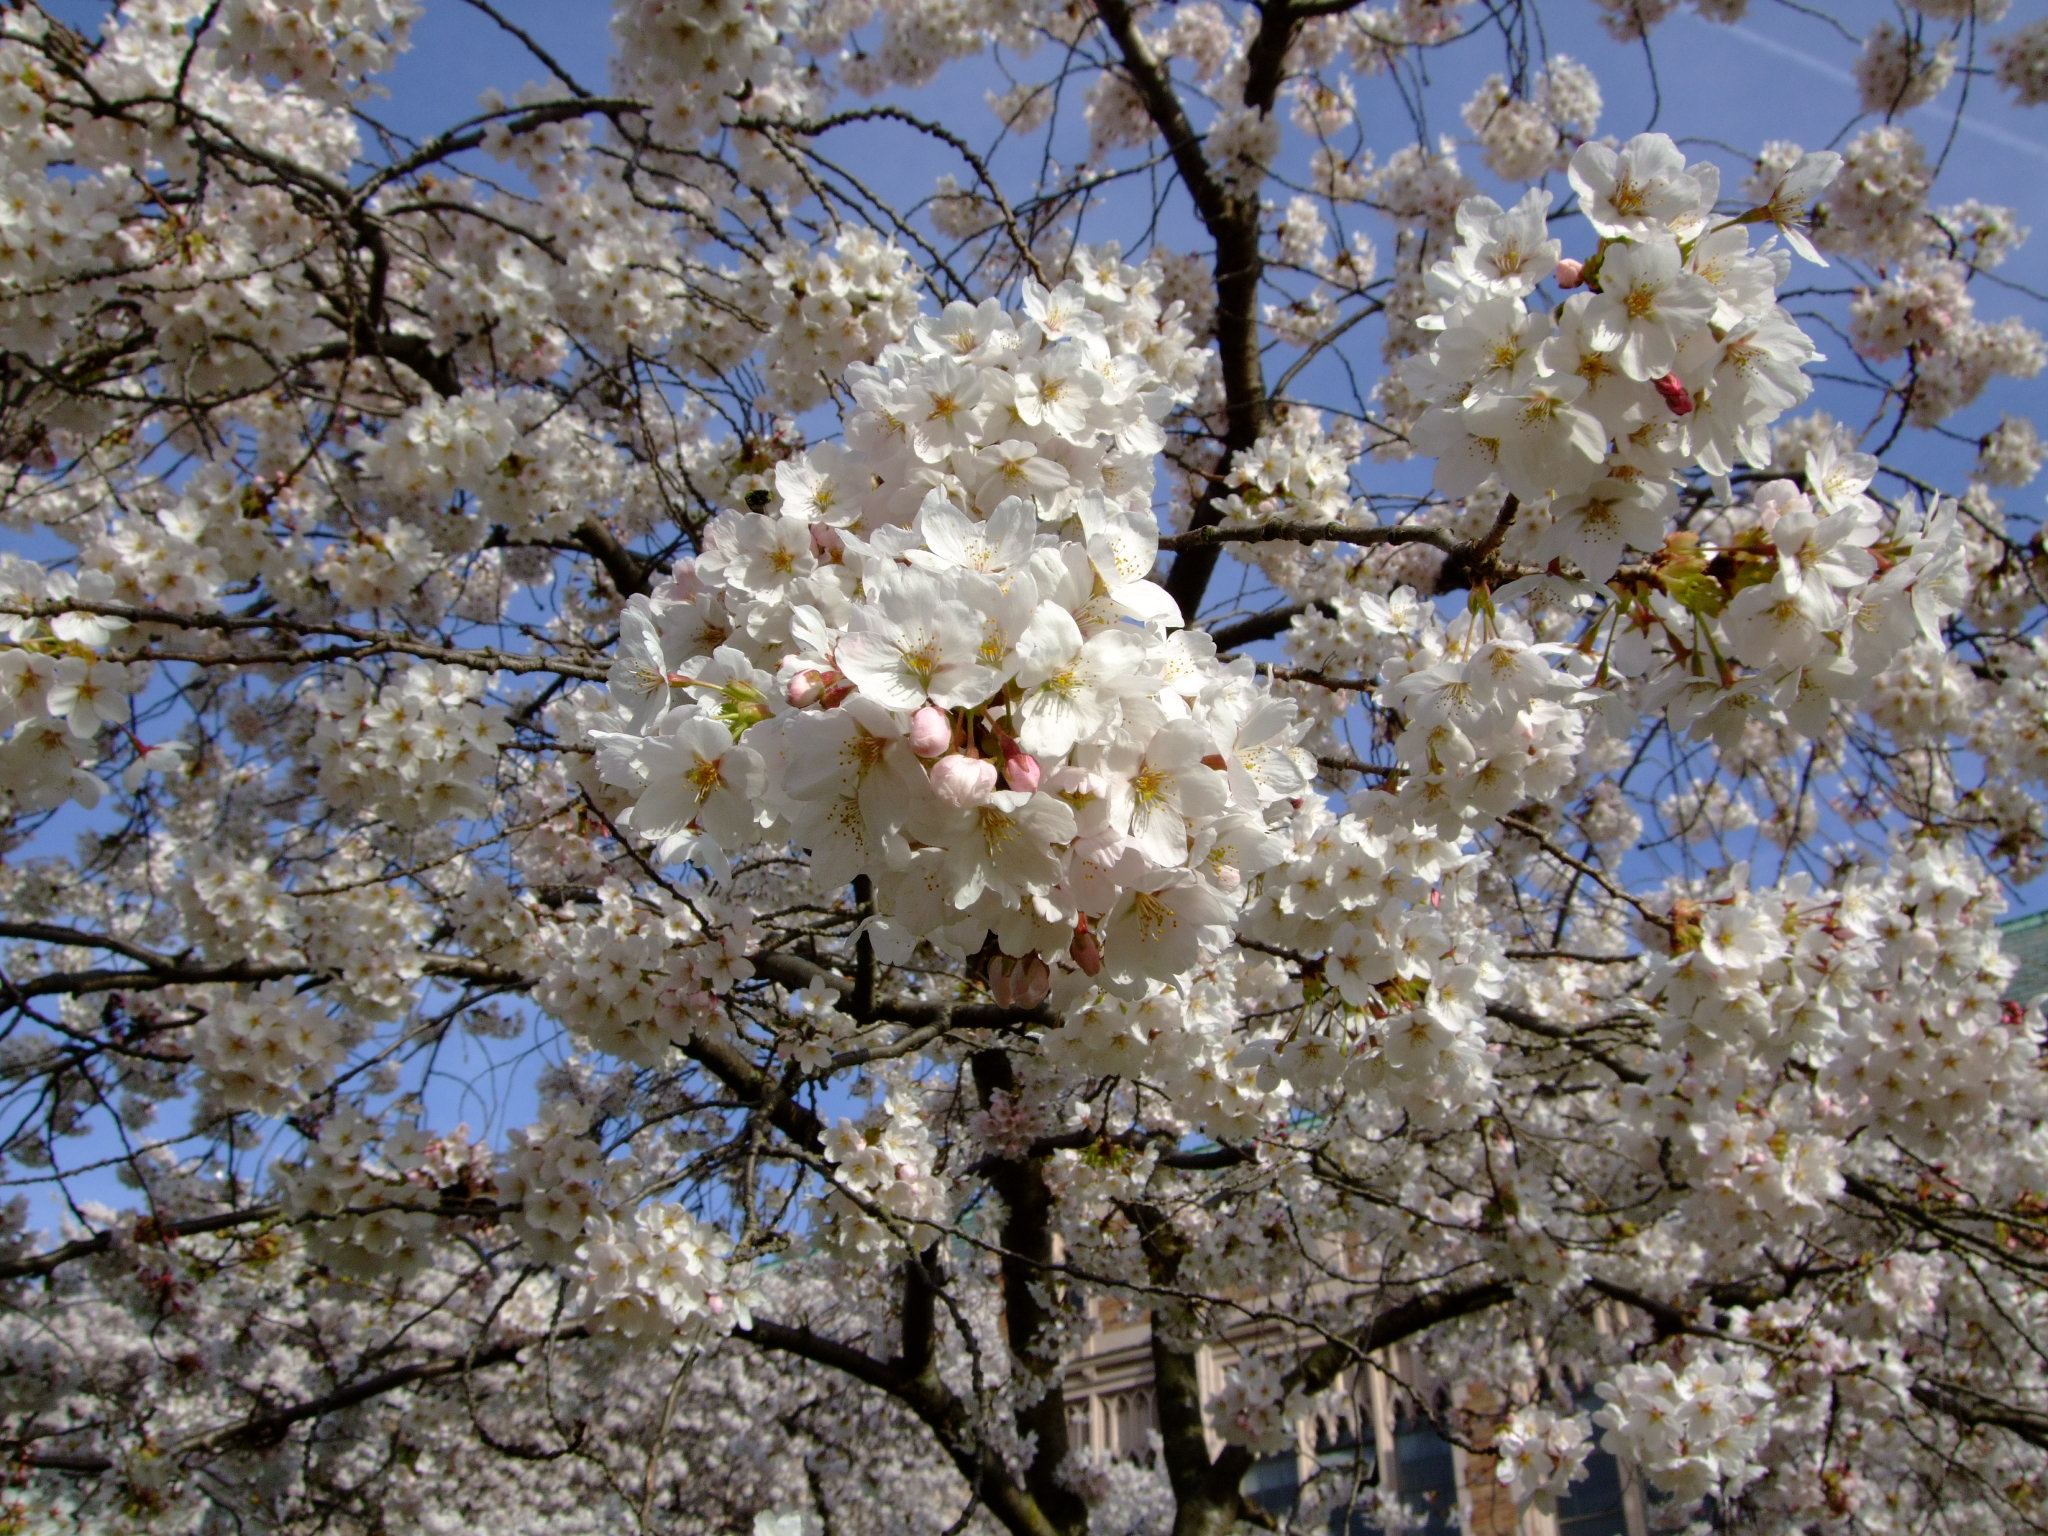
[1781, 73]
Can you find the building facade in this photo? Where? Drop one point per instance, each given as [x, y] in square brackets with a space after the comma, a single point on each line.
[1371, 1461]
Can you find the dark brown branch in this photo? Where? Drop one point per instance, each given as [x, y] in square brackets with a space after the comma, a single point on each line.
[147, 1230]
[1522, 1018]
[161, 971]
[1266, 59]
[627, 572]
[1030, 1317]
[1321, 1368]
[943, 1413]
[1155, 88]
[1262, 626]
[1404, 1320]
[268, 1428]
[1472, 565]
[757, 1089]
[1972, 1408]
[807, 1344]
[1203, 1505]
[918, 1354]
[1231, 216]
[1668, 1320]
[372, 641]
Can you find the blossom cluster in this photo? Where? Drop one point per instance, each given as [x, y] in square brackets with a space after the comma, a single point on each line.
[650, 1274]
[1694, 1430]
[1797, 1018]
[1542, 1452]
[412, 751]
[329, 48]
[884, 1172]
[1252, 1408]
[1916, 302]
[364, 1217]
[1839, 596]
[269, 1052]
[58, 694]
[944, 666]
[642, 1267]
[1674, 352]
[695, 61]
[1526, 137]
[923, 874]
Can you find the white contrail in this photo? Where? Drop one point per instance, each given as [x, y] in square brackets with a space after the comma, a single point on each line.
[1813, 62]
[1820, 66]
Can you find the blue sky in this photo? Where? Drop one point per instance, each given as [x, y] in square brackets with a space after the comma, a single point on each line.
[1781, 73]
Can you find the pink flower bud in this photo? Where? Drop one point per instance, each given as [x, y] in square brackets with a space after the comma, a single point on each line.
[963, 782]
[1086, 949]
[1570, 274]
[807, 687]
[1020, 768]
[1019, 983]
[931, 731]
[1674, 394]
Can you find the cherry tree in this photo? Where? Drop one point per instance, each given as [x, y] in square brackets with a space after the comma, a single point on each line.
[690, 763]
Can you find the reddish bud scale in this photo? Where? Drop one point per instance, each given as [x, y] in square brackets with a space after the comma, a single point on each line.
[1086, 949]
[1675, 394]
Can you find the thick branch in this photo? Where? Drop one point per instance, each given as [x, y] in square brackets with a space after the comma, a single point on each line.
[919, 1352]
[1522, 1018]
[1177, 1385]
[1973, 1409]
[628, 574]
[1262, 626]
[268, 1428]
[942, 1412]
[1030, 1319]
[757, 1089]
[102, 1242]
[161, 971]
[1416, 1315]
[1231, 216]
[1155, 88]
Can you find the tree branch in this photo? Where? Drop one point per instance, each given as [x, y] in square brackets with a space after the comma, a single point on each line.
[1231, 216]
[1972, 1408]
[268, 1428]
[148, 1230]
[1030, 1317]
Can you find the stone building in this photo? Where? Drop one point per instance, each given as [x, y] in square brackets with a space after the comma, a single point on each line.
[1368, 1446]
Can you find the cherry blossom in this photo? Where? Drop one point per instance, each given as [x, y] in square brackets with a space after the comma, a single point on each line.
[709, 754]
